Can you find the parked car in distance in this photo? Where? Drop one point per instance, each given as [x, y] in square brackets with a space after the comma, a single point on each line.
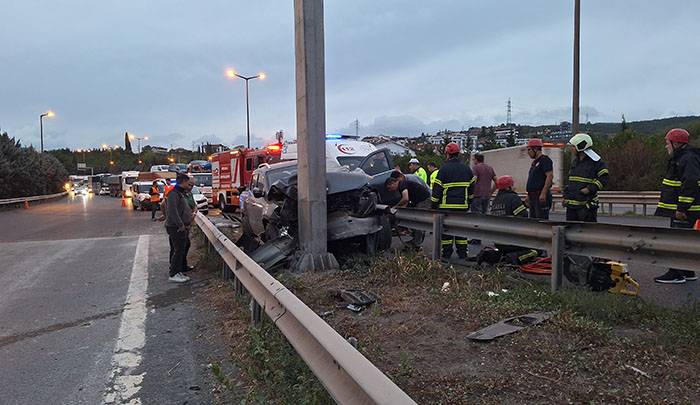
[159, 168]
[177, 167]
[141, 197]
[201, 200]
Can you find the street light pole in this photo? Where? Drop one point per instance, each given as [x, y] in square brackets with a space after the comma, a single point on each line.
[41, 126]
[232, 74]
[577, 42]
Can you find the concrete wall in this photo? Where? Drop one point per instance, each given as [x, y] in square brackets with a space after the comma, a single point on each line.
[514, 161]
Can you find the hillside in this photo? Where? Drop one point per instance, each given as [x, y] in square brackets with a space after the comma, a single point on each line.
[646, 127]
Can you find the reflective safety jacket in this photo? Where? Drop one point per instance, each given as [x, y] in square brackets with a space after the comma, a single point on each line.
[422, 174]
[453, 186]
[589, 174]
[680, 188]
[433, 176]
[155, 194]
[508, 203]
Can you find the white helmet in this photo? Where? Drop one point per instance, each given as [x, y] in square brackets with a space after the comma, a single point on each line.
[583, 143]
[414, 160]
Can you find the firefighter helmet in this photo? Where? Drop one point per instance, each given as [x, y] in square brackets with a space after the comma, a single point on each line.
[504, 182]
[534, 142]
[678, 135]
[452, 148]
[581, 142]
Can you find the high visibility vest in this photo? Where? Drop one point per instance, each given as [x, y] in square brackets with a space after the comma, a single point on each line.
[155, 194]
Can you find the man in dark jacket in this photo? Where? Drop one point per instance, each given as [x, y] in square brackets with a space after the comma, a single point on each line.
[508, 203]
[178, 219]
[680, 193]
[587, 176]
[453, 189]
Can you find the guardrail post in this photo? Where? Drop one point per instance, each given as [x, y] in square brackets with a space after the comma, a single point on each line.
[437, 235]
[255, 311]
[558, 242]
[225, 271]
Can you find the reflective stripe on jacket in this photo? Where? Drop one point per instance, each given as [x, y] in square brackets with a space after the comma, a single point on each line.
[508, 203]
[680, 187]
[421, 174]
[433, 176]
[453, 186]
[589, 174]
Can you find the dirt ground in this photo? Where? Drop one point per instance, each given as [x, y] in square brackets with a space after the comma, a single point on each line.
[599, 348]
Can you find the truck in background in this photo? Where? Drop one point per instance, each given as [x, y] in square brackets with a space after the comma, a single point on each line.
[514, 161]
[128, 177]
[232, 170]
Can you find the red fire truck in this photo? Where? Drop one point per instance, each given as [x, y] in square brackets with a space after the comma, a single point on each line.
[232, 170]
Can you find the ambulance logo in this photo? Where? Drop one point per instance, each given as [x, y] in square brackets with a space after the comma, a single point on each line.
[346, 149]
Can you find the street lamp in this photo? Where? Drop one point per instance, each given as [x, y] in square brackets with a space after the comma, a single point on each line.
[41, 126]
[231, 74]
[132, 137]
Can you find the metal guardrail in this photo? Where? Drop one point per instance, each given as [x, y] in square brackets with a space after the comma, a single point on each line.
[610, 198]
[347, 375]
[20, 200]
[626, 243]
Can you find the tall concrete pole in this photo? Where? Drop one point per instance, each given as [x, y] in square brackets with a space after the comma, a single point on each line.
[577, 41]
[311, 136]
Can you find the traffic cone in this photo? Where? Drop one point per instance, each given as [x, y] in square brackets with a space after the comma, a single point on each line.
[123, 202]
[26, 205]
[697, 225]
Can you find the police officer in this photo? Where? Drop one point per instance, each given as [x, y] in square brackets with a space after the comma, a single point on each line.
[587, 176]
[539, 180]
[453, 189]
[680, 193]
[414, 167]
[433, 172]
[508, 203]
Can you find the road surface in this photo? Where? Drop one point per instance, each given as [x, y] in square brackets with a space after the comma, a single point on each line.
[87, 315]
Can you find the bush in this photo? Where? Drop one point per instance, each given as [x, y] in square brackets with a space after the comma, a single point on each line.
[25, 172]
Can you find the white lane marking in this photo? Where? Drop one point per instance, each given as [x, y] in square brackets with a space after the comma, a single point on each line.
[124, 384]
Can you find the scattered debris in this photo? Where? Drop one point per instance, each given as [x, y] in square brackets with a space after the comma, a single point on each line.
[353, 341]
[325, 314]
[445, 287]
[173, 368]
[638, 371]
[355, 297]
[492, 294]
[510, 325]
[195, 388]
[355, 308]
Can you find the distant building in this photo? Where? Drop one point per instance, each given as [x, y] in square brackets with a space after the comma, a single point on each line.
[503, 132]
[211, 148]
[156, 149]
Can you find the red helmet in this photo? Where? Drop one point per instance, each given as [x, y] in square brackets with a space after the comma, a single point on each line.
[504, 182]
[534, 142]
[452, 148]
[678, 135]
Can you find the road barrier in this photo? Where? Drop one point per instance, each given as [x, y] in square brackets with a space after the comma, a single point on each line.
[608, 199]
[345, 373]
[26, 200]
[665, 247]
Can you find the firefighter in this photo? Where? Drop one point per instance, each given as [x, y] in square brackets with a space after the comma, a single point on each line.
[414, 167]
[508, 203]
[680, 193]
[433, 172]
[587, 176]
[453, 189]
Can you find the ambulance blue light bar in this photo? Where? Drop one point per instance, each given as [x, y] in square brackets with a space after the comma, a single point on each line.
[341, 136]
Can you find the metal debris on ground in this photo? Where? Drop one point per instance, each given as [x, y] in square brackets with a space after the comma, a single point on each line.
[445, 287]
[510, 325]
[355, 300]
[638, 371]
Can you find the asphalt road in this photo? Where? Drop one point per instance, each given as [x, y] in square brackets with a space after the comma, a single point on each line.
[672, 296]
[87, 315]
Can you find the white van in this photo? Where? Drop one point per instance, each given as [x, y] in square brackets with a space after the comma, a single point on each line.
[128, 178]
[346, 150]
[159, 168]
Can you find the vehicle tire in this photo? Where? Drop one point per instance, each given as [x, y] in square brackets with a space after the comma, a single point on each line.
[222, 204]
[134, 206]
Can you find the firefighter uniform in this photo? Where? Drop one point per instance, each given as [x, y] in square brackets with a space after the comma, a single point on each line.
[453, 189]
[508, 203]
[422, 174]
[680, 188]
[585, 173]
[433, 176]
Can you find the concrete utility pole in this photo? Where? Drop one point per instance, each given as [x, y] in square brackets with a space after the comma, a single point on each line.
[577, 41]
[311, 136]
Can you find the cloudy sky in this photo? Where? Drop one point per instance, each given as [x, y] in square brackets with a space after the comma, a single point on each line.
[156, 68]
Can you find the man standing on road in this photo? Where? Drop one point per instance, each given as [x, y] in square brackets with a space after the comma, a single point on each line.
[485, 184]
[177, 222]
[680, 193]
[539, 180]
[414, 167]
[453, 190]
[154, 192]
[587, 176]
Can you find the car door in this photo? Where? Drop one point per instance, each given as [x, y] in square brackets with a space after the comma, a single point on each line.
[254, 205]
[376, 162]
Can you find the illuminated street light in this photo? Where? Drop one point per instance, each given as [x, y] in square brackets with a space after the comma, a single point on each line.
[139, 139]
[41, 126]
[231, 74]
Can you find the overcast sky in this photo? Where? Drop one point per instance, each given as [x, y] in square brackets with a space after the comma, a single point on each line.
[156, 68]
